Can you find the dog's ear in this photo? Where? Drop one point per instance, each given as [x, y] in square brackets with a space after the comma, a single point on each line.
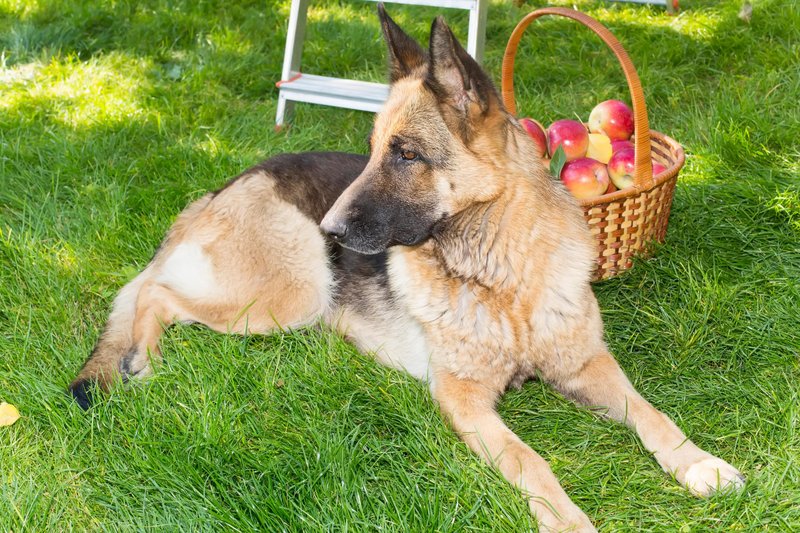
[454, 76]
[405, 54]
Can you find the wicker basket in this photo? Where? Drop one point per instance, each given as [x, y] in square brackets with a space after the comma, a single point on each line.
[624, 222]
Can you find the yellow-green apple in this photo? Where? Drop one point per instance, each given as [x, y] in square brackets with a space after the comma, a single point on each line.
[570, 134]
[599, 147]
[585, 177]
[536, 132]
[612, 117]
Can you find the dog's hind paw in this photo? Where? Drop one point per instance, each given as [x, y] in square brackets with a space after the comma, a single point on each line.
[82, 392]
[711, 475]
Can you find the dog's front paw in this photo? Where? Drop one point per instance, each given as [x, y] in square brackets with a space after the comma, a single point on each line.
[710, 475]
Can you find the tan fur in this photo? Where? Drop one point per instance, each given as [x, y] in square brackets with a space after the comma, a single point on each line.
[498, 292]
[261, 281]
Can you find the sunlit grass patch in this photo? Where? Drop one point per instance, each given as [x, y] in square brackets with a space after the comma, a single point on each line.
[81, 94]
[787, 203]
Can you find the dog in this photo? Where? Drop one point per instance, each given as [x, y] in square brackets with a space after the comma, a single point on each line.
[449, 253]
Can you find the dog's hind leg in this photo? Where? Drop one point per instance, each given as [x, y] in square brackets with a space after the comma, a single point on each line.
[240, 260]
[600, 383]
[469, 406]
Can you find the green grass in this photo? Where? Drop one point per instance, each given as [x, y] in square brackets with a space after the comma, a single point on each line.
[113, 115]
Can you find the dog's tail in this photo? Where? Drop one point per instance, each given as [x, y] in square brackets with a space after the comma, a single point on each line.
[114, 347]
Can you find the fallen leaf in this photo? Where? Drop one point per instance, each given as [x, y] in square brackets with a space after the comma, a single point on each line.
[8, 414]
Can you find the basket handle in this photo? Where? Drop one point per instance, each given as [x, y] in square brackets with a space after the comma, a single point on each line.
[643, 169]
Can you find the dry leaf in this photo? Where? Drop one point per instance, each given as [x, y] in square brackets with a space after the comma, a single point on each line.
[8, 414]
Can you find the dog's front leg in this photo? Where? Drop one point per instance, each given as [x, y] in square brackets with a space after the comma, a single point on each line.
[601, 383]
[469, 406]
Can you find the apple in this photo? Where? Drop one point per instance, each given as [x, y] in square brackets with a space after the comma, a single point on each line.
[612, 117]
[599, 147]
[585, 177]
[621, 165]
[536, 132]
[571, 135]
[620, 168]
[616, 146]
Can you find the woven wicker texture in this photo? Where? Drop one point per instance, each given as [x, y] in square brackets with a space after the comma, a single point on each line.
[624, 222]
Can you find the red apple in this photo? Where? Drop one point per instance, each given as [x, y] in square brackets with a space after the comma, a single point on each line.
[585, 177]
[658, 169]
[620, 168]
[616, 146]
[536, 132]
[612, 117]
[570, 134]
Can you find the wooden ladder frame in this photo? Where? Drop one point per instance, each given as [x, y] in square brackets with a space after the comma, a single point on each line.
[365, 96]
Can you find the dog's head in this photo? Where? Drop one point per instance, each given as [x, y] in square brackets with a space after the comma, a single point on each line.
[440, 135]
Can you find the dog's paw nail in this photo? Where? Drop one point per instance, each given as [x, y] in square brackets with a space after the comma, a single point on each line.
[712, 475]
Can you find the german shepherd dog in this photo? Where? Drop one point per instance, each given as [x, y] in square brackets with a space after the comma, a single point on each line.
[449, 253]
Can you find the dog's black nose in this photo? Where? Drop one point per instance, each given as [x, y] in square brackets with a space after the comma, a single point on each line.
[334, 228]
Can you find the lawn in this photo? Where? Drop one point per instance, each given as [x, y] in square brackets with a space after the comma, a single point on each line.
[116, 114]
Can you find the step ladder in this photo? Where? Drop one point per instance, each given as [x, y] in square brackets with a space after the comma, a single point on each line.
[365, 96]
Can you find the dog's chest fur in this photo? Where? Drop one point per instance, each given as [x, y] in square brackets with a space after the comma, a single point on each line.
[498, 295]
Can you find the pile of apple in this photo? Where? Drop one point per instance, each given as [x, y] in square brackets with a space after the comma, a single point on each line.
[599, 159]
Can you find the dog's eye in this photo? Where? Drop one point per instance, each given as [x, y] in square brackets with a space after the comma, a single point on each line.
[408, 155]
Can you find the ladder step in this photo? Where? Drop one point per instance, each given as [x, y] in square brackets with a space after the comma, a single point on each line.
[454, 4]
[362, 95]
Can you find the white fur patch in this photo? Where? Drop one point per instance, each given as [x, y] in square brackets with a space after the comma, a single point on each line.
[398, 342]
[416, 299]
[188, 271]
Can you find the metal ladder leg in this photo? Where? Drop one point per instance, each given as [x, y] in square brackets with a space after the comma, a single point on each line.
[476, 37]
[294, 51]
